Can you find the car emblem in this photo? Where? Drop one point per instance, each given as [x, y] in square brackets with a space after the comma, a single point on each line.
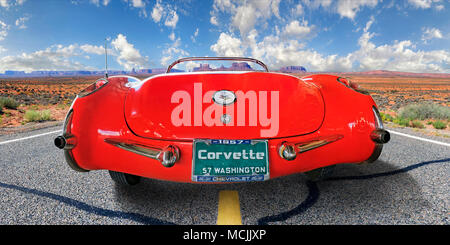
[224, 97]
[225, 118]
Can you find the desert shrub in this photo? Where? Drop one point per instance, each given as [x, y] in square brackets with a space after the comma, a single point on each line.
[417, 124]
[9, 103]
[439, 125]
[386, 117]
[37, 116]
[425, 111]
[401, 121]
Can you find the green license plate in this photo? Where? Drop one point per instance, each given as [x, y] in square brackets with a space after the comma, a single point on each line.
[217, 160]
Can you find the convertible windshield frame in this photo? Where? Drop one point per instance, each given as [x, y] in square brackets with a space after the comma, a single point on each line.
[217, 58]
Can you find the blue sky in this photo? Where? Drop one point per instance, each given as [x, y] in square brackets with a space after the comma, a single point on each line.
[326, 35]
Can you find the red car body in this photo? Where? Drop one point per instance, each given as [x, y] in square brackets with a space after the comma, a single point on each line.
[124, 125]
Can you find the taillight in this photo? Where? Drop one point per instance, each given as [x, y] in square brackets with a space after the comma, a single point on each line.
[93, 87]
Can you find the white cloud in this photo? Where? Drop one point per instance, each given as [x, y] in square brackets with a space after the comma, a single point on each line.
[245, 14]
[21, 22]
[349, 8]
[172, 19]
[193, 37]
[3, 30]
[157, 12]
[279, 50]
[298, 10]
[317, 3]
[128, 56]
[424, 4]
[56, 57]
[430, 33]
[296, 30]
[345, 8]
[165, 11]
[136, 3]
[369, 23]
[2, 49]
[172, 36]
[173, 52]
[399, 56]
[91, 49]
[439, 7]
[213, 20]
[228, 46]
[8, 3]
[97, 2]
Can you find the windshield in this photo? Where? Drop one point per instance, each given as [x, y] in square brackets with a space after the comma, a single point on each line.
[210, 64]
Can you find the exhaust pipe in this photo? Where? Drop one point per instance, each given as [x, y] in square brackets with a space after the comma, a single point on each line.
[66, 143]
[380, 136]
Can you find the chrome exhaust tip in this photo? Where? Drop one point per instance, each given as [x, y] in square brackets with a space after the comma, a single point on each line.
[380, 136]
[66, 143]
[60, 142]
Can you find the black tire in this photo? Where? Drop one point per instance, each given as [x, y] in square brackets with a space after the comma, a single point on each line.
[320, 173]
[124, 179]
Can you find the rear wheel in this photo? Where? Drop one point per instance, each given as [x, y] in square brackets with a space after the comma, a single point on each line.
[320, 173]
[124, 179]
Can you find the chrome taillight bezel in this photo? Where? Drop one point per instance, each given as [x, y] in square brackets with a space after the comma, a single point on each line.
[94, 87]
[378, 119]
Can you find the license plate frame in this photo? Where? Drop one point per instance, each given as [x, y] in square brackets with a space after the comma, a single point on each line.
[231, 170]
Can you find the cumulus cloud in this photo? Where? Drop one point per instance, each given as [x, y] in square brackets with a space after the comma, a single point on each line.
[245, 14]
[92, 49]
[430, 33]
[349, 8]
[297, 30]
[278, 51]
[56, 57]
[162, 11]
[228, 46]
[128, 56]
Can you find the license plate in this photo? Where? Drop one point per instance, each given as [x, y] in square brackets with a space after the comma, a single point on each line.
[216, 160]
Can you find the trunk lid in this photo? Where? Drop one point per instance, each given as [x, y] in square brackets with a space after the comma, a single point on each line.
[180, 106]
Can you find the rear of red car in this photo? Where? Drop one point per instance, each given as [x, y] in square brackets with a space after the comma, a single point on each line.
[221, 126]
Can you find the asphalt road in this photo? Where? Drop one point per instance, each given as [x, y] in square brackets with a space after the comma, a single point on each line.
[409, 184]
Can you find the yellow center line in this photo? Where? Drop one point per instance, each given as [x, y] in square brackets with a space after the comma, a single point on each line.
[229, 212]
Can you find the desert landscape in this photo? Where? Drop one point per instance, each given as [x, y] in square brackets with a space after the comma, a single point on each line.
[390, 90]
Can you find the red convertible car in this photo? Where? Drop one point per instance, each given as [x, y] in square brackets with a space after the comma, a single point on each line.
[219, 125]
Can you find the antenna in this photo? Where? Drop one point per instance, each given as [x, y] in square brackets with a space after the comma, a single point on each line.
[106, 58]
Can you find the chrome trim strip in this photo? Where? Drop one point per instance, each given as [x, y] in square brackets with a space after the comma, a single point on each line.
[218, 58]
[315, 143]
[150, 152]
